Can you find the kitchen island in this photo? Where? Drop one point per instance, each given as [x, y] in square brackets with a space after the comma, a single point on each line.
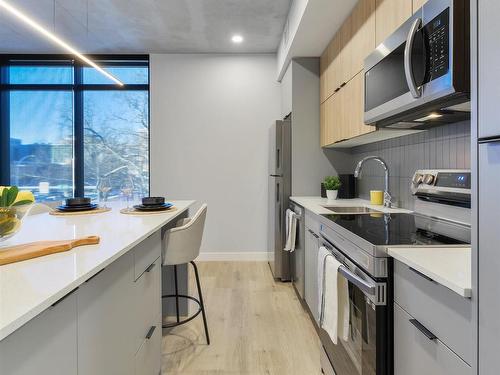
[58, 296]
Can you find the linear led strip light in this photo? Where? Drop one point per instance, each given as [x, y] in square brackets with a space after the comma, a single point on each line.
[54, 38]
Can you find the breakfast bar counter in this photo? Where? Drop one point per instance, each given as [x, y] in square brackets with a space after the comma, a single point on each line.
[31, 287]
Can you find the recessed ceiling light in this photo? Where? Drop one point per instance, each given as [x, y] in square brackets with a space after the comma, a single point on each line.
[237, 39]
[54, 38]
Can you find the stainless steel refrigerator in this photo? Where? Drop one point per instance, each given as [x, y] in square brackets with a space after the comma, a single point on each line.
[279, 193]
[486, 233]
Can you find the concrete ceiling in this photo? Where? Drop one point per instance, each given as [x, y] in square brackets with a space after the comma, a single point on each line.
[148, 26]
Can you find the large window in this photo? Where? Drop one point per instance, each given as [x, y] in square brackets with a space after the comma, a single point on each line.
[66, 126]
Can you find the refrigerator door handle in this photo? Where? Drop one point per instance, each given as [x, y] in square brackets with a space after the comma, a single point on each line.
[489, 140]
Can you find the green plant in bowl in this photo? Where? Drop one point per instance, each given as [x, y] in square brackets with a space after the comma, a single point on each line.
[14, 205]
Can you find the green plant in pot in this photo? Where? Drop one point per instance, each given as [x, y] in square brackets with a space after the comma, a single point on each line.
[14, 205]
[332, 185]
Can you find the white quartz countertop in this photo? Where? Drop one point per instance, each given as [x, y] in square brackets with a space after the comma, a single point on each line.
[27, 288]
[448, 266]
[316, 204]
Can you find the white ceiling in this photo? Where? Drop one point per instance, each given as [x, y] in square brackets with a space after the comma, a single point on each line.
[148, 26]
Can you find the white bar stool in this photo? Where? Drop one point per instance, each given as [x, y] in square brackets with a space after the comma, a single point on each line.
[181, 245]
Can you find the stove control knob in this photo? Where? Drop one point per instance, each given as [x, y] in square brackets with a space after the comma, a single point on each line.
[429, 179]
[417, 179]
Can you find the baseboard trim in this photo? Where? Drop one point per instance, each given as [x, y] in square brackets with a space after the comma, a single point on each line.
[243, 256]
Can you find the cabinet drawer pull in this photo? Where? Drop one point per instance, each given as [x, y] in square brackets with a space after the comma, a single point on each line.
[90, 278]
[63, 298]
[150, 332]
[421, 328]
[150, 268]
[422, 275]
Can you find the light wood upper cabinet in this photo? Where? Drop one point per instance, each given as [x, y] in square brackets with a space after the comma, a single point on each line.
[389, 15]
[323, 64]
[326, 126]
[341, 69]
[342, 113]
[350, 119]
[362, 34]
[344, 56]
[355, 107]
[328, 69]
[417, 4]
[330, 120]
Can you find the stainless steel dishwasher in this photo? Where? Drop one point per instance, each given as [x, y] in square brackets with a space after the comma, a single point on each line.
[298, 256]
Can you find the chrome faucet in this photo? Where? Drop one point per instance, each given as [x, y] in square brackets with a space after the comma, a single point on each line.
[357, 174]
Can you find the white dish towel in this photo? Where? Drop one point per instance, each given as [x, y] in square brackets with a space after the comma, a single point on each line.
[333, 297]
[291, 230]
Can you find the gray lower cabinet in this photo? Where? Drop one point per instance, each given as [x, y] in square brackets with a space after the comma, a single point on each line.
[147, 360]
[311, 268]
[146, 253]
[106, 306]
[148, 330]
[147, 304]
[416, 354]
[110, 325]
[442, 311]
[119, 317]
[44, 346]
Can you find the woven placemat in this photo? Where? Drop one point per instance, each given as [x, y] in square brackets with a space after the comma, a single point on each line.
[133, 211]
[89, 212]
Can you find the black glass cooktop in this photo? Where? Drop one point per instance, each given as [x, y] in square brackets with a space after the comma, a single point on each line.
[401, 229]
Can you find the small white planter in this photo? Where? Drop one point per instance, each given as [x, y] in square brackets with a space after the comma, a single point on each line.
[331, 195]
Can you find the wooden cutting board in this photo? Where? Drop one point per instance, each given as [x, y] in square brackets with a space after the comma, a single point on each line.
[37, 249]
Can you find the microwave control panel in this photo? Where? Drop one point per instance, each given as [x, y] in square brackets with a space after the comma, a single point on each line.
[438, 36]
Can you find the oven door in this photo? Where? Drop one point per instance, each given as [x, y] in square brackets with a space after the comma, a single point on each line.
[368, 350]
[411, 68]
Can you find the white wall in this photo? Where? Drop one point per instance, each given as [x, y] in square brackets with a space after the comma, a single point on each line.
[210, 116]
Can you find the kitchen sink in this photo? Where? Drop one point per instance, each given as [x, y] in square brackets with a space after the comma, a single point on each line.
[351, 210]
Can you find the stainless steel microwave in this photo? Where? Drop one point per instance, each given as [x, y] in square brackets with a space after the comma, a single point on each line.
[420, 75]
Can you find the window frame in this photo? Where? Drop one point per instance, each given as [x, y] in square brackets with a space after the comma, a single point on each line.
[78, 88]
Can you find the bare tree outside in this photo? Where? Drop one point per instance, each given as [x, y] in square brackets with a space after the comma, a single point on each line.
[116, 142]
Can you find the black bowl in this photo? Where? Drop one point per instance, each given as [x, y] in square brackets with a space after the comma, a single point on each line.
[77, 201]
[153, 201]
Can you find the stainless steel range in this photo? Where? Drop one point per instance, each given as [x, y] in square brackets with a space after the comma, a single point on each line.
[360, 242]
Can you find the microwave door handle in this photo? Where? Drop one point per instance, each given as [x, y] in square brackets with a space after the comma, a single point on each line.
[410, 80]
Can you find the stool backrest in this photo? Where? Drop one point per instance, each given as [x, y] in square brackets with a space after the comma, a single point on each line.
[182, 244]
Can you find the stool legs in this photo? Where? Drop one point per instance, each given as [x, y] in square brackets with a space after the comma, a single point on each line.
[199, 302]
[202, 304]
[176, 294]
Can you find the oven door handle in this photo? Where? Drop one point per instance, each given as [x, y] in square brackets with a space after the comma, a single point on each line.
[364, 285]
[410, 79]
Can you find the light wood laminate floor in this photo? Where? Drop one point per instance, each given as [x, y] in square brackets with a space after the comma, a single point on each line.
[257, 326]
